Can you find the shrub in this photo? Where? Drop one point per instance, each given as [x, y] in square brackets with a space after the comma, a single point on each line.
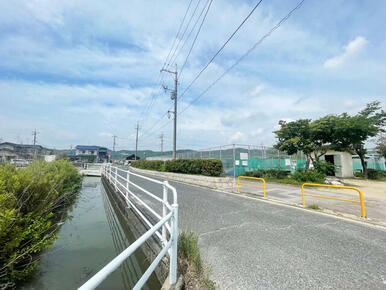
[359, 174]
[375, 174]
[372, 174]
[32, 201]
[148, 164]
[270, 173]
[309, 176]
[212, 167]
[325, 167]
[208, 167]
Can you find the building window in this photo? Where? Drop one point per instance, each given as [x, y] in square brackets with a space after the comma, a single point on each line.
[83, 151]
[92, 152]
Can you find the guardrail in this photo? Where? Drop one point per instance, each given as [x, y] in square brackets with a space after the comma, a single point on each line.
[249, 185]
[361, 201]
[167, 223]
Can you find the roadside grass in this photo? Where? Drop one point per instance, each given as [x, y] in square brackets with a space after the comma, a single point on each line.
[284, 181]
[289, 181]
[190, 263]
[313, 206]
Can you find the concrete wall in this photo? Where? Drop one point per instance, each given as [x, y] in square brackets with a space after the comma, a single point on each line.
[151, 247]
[221, 183]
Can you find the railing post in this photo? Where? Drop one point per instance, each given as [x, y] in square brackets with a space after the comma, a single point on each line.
[173, 253]
[164, 211]
[127, 187]
[116, 177]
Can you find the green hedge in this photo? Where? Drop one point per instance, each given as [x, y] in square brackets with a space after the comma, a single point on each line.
[148, 164]
[32, 202]
[208, 167]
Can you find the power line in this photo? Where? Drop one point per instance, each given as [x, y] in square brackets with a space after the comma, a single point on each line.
[244, 55]
[210, 2]
[221, 48]
[195, 38]
[148, 107]
[193, 28]
[183, 34]
[178, 32]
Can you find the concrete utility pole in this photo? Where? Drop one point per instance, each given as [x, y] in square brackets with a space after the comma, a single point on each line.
[114, 143]
[34, 133]
[162, 142]
[136, 142]
[173, 96]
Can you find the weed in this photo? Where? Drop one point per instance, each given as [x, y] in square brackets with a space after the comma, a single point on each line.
[190, 263]
[313, 206]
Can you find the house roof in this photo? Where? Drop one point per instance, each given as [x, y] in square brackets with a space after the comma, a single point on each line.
[20, 145]
[90, 147]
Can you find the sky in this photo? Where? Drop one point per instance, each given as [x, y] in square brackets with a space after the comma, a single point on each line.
[81, 71]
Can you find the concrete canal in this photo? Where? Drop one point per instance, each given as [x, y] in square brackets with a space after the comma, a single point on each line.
[92, 236]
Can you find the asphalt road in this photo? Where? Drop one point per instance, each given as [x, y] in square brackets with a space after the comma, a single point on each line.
[252, 244]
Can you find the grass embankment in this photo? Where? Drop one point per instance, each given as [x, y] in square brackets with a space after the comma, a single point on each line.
[33, 202]
[190, 263]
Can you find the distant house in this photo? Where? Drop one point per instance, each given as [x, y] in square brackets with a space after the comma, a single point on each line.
[87, 152]
[132, 157]
[9, 151]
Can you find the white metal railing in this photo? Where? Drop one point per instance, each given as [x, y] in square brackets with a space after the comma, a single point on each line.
[167, 223]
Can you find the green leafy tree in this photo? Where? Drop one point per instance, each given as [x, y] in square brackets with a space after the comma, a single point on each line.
[381, 146]
[351, 132]
[304, 135]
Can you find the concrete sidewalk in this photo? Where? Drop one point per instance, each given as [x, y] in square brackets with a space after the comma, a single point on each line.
[375, 207]
[253, 244]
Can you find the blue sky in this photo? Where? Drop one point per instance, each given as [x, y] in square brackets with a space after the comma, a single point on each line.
[80, 71]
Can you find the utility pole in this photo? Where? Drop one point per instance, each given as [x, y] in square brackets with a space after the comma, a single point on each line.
[136, 142]
[162, 142]
[173, 96]
[34, 133]
[114, 143]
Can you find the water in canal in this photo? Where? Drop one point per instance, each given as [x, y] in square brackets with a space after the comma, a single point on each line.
[90, 238]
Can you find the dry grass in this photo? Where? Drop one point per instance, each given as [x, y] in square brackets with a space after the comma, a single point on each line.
[190, 263]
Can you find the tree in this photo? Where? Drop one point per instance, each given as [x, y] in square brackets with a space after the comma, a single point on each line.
[381, 146]
[351, 132]
[303, 135]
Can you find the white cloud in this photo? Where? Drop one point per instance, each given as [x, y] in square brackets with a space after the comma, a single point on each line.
[105, 134]
[256, 91]
[350, 51]
[91, 73]
[237, 137]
